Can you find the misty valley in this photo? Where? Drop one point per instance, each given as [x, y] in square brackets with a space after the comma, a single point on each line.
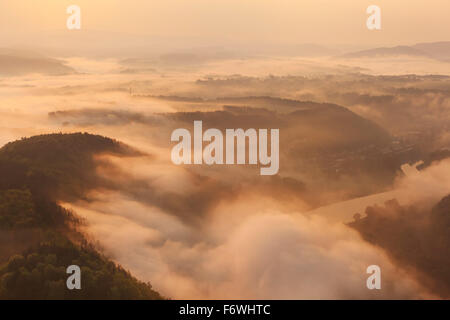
[262, 159]
[213, 153]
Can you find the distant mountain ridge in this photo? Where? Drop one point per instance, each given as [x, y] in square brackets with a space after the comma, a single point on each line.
[437, 50]
[19, 62]
[434, 50]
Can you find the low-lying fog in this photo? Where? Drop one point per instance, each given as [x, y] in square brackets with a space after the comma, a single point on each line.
[227, 232]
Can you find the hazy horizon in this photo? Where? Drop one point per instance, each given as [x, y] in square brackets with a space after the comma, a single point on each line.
[177, 24]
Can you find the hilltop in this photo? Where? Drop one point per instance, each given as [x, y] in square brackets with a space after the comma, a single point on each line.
[39, 238]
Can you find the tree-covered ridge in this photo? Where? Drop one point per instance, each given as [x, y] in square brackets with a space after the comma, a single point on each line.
[39, 238]
[17, 209]
[40, 273]
[22, 209]
[416, 237]
[59, 166]
[38, 171]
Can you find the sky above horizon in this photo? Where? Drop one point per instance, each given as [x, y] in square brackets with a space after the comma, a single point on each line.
[225, 22]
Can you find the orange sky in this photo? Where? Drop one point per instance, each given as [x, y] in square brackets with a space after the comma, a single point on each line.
[236, 21]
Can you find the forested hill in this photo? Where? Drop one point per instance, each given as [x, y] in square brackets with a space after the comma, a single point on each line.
[39, 238]
[60, 166]
[417, 238]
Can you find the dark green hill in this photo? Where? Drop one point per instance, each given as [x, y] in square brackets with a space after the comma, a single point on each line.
[39, 238]
[417, 238]
[59, 166]
[40, 273]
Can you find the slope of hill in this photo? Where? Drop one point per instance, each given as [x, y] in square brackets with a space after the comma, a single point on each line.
[307, 126]
[438, 50]
[16, 63]
[416, 238]
[386, 51]
[59, 166]
[317, 137]
[433, 50]
[40, 239]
